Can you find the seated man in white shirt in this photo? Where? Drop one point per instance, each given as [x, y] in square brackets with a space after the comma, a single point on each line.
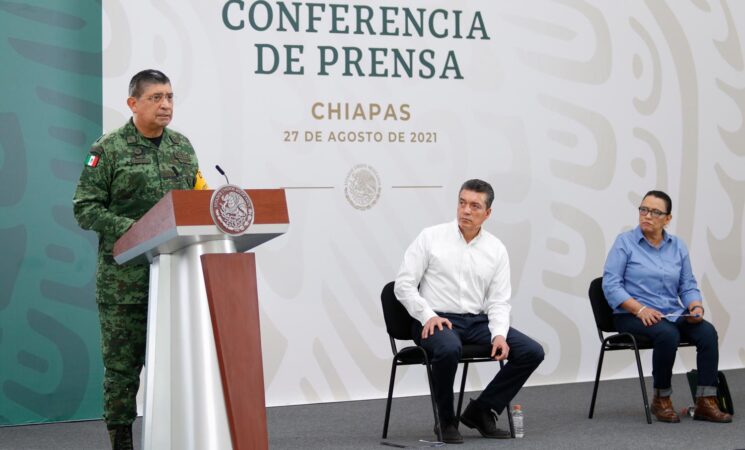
[455, 282]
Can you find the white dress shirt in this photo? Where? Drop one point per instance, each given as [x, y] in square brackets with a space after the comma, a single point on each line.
[455, 276]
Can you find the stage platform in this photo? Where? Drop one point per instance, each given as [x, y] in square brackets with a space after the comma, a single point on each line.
[556, 418]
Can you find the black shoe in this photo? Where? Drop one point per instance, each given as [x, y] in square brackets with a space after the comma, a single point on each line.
[450, 433]
[484, 420]
[121, 437]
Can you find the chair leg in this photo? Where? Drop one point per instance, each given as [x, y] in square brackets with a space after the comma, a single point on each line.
[508, 409]
[644, 388]
[438, 425]
[597, 381]
[390, 398]
[462, 388]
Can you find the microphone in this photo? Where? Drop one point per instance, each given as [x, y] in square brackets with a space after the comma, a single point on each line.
[222, 172]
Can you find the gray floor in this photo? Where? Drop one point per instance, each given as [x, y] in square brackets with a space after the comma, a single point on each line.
[556, 418]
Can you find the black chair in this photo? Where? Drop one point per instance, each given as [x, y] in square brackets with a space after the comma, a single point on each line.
[398, 323]
[616, 341]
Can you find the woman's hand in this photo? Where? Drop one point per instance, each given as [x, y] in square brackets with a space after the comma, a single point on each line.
[648, 316]
[697, 313]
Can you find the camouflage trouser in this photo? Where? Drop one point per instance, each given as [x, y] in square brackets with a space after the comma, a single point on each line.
[123, 331]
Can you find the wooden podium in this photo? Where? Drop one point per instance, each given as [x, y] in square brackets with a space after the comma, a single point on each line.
[204, 380]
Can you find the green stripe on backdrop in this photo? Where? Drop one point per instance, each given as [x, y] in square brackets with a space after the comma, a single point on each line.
[50, 112]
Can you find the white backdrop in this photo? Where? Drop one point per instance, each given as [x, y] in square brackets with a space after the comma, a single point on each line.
[571, 109]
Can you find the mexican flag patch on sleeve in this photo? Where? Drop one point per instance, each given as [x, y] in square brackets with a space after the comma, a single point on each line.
[92, 160]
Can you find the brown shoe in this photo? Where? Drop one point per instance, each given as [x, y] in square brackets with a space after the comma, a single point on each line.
[662, 408]
[708, 409]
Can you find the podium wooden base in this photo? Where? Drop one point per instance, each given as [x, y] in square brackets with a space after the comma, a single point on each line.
[234, 307]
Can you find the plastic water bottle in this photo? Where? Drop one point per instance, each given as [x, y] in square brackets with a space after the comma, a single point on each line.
[518, 421]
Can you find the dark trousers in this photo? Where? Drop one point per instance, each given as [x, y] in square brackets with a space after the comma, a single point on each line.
[665, 336]
[444, 349]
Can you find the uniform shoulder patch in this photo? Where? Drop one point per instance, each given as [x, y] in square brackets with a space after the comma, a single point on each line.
[92, 160]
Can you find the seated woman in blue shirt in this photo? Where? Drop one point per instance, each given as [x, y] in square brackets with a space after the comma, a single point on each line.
[648, 282]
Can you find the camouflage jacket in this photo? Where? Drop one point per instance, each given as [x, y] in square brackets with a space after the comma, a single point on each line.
[124, 176]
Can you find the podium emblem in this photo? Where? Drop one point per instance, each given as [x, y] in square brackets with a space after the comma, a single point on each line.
[362, 187]
[231, 209]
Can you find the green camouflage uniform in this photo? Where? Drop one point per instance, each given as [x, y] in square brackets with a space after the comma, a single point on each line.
[124, 177]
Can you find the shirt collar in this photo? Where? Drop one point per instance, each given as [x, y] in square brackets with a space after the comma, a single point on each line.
[139, 139]
[460, 234]
[639, 236]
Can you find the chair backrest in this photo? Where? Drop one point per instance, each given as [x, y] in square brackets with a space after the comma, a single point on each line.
[600, 307]
[397, 319]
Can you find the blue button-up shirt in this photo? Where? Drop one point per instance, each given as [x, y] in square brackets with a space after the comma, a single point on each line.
[655, 277]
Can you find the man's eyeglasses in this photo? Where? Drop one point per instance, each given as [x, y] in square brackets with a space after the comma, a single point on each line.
[643, 211]
[157, 98]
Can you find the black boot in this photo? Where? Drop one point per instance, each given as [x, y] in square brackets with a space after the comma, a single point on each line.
[121, 437]
[484, 420]
[450, 433]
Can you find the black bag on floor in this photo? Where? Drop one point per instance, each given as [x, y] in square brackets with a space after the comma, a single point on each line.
[724, 398]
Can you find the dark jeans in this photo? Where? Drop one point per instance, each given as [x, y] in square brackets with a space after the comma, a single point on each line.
[444, 349]
[665, 336]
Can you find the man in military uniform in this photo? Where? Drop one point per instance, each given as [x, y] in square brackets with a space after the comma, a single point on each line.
[126, 173]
